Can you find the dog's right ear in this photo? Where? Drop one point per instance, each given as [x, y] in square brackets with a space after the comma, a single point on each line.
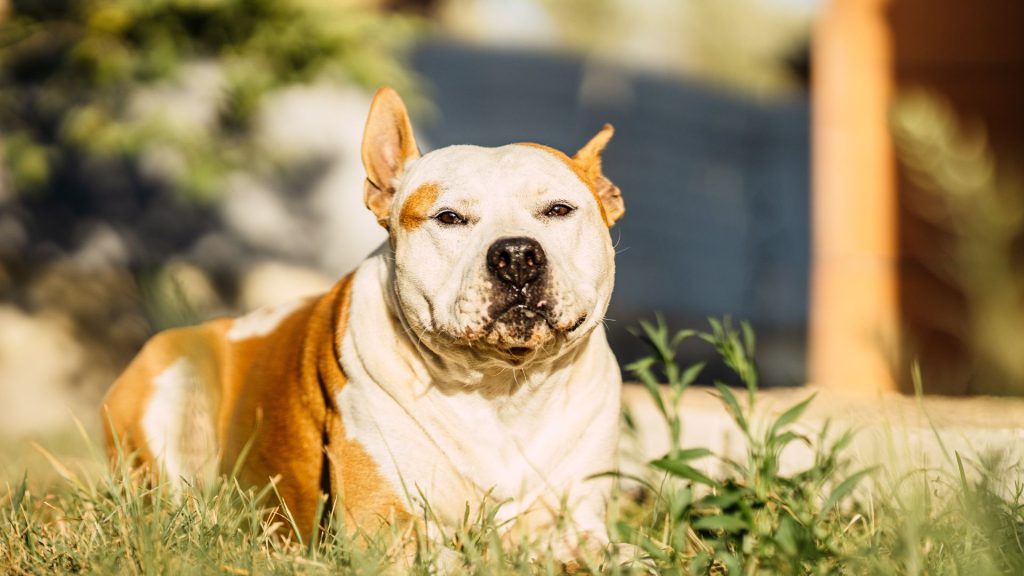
[388, 144]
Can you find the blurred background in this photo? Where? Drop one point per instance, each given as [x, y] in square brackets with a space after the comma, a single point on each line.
[845, 174]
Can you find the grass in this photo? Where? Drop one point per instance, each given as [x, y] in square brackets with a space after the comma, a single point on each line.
[750, 518]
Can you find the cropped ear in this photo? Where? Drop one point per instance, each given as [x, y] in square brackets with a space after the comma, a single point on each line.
[589, 160]
[388, 144]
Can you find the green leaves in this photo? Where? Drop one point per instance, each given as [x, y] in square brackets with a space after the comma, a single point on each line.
[724, 523]
[665, 347]
[91, 59]
[750, 517]
[642, 370]
[677, 466]
[790, 416]
[736, 349]
[732, 406]
[843, 490]
[19, 493]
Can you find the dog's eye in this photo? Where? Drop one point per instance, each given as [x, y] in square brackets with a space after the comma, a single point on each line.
[559, 210]
[449, 218]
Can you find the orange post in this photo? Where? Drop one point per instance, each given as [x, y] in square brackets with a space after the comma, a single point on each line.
[853, 280]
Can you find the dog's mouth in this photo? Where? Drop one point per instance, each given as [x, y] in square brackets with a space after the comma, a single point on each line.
[519, 311]
[519, 329]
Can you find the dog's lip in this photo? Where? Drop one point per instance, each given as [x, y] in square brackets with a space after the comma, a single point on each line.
[518, 354]
[520, 306]
[579, 322]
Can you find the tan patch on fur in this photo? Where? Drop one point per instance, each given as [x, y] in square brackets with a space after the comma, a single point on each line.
[578, 170]
[125, 405]
[414, 211]
[274, 398]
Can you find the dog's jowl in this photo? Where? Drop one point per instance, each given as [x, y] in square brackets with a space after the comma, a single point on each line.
[464, 360]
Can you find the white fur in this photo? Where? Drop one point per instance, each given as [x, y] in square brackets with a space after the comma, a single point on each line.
[441, 280]
[178, 424]
[452, 420]
[262, 321]
[529, 449]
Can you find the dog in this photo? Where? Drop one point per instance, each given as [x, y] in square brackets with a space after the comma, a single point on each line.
[464, 361]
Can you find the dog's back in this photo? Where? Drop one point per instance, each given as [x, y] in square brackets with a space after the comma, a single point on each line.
[252, 395]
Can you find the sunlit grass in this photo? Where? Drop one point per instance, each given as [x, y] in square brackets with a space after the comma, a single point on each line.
[73, 513]
[827, 518]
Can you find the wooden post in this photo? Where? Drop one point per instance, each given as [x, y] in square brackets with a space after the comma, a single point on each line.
[853, 323]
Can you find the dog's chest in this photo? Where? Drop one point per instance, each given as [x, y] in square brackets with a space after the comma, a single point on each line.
[450, 450]
[509, 445]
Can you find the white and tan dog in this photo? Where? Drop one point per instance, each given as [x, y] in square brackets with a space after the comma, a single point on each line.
[466, 359]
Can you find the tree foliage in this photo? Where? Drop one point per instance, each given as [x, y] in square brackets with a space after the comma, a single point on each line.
[71, 74]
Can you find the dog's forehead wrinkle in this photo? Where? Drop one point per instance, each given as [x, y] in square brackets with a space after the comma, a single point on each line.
[493, 172]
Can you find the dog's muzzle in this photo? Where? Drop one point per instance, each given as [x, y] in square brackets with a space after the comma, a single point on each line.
[520, 307]
[521, 314]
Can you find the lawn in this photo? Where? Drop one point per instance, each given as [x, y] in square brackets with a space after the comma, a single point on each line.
[70, 513]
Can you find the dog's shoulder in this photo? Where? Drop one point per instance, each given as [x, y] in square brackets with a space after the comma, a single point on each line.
[228, 371]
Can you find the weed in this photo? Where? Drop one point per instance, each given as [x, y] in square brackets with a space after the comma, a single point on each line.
[754, 519]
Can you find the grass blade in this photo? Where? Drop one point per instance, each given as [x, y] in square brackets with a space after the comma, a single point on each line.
[843, 489]
[732, 405]
[791, 415]
[724, 523]
[683, 470]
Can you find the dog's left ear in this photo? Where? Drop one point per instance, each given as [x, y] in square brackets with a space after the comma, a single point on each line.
[589, 160]
[388, 144]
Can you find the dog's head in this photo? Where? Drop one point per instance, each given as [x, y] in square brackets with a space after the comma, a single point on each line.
[501, 253]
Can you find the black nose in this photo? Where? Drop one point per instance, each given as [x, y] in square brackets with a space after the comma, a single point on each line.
[516, 261]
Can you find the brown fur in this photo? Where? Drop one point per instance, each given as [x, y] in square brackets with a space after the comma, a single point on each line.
[277, 394]
[586, 165]
[414, 210]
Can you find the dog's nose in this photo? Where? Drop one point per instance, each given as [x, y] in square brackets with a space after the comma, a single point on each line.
[516, 261]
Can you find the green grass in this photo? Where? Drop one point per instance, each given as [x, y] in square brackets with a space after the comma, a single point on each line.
[965, 519]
